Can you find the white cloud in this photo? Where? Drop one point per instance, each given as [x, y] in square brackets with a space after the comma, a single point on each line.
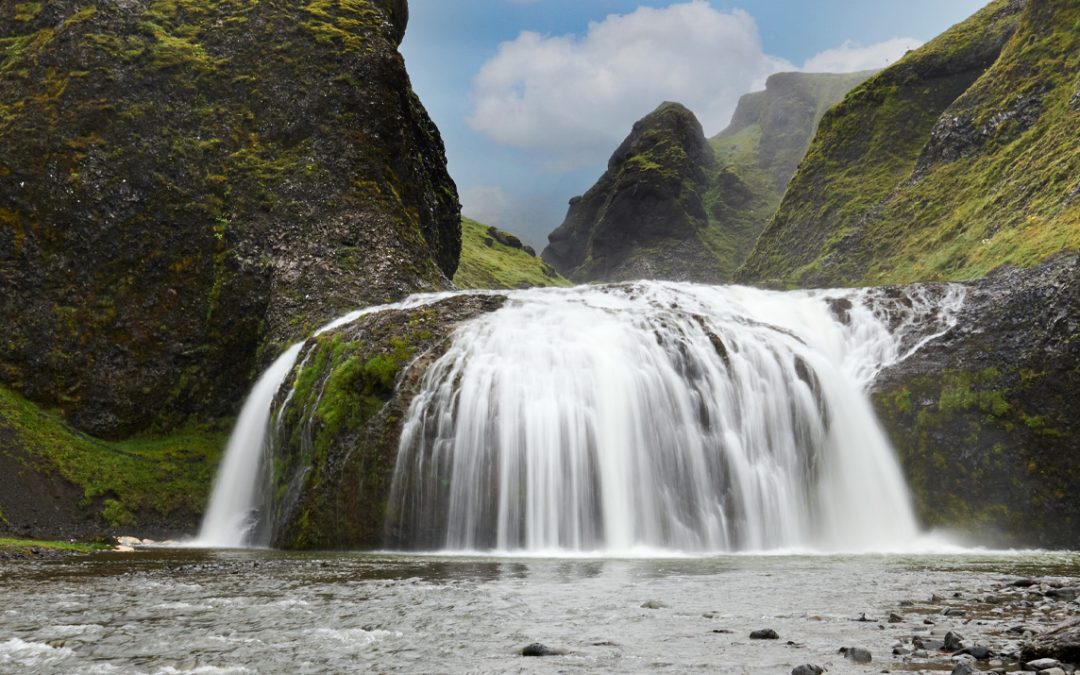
[573, 99]
[488, 204]
[851, 56]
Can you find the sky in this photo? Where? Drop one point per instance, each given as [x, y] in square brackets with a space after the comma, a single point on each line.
[533, 96]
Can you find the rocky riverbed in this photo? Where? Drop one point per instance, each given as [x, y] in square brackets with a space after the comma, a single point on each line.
[155, 611]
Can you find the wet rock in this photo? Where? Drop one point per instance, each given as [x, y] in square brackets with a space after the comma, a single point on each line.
[979, 652]
[539, 649]
[1061, 642]
[653, 604]
[953, 641]
[857, 654]
[1023, 583]
[807, 669]
[964, 668]
[895, 618]
[764, 634]
[1067, 594]
[1039, 665]
[953, 611]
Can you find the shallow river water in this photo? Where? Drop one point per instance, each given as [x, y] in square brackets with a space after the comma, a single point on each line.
[167, 611]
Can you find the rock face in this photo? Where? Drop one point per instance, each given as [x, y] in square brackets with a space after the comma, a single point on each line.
[337, 443]
[650, 198]
[185, 186]
[675, 206]
[961, 157]
[985, 418]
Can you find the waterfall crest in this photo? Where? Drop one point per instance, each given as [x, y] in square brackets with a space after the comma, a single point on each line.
[662, 416]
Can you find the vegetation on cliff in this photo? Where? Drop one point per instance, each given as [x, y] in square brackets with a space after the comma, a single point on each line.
[336, 446]
[984, 419]
[63, 483]
[185, 186]
[961, 157]
[491, 258]
[675, 206]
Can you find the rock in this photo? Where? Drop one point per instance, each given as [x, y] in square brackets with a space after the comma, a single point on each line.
[1052, 671]
[895, 618]
[1042, 664]
[964, 668]
[653, 604]
[857, 654]
[953, 641]
[723, 631]
[807, 669]
[953, 611]
[979, 652]
[123, 549]
[764, 634]
[129, 541]
[539, 649]
[1023, 583]
[1066, 594]
[1061, 643]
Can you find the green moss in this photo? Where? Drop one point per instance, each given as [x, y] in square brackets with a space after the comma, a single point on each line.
[166, 474]
[26, 545]
[498, 266]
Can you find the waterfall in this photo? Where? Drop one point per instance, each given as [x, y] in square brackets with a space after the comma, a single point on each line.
[663, 416]
[231, 518]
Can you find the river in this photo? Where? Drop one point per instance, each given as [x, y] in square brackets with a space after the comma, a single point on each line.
[227, 611]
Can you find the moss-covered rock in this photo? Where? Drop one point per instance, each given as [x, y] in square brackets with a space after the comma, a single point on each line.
[491, 258]
[961, 157]
[186, 185]
[675, 206]
[985, 418]
[336, 443]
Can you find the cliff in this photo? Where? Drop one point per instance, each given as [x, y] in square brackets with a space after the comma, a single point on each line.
[675, 206]
[961, 157]
[185, 187]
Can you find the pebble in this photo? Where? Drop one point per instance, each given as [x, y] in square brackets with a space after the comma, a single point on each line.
[1043, 664]
[764, 634]
[653, 604]
[807, 669]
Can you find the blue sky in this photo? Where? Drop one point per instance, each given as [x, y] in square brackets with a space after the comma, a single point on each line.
[532, 96]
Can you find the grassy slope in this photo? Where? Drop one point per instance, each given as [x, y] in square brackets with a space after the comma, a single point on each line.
[121, 479]
[857, 213]
[26, 546]
[498, 266]
[761, 153]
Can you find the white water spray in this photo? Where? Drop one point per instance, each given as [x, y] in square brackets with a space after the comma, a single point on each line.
[662, 416]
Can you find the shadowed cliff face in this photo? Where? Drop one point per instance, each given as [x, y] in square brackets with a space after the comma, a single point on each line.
[186, 186]
[985, 420]
[651, 196]
[675, 206]
[960, 158]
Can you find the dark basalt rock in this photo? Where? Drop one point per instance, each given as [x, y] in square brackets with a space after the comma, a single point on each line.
[982, 418]
[1061, 643]
[178, 200]
[857, 654]
[336, 445]
[538, 649]
[651, 193]
[764, 634]
[807, 669]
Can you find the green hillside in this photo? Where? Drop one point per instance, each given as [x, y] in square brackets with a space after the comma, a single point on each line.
[962, 157]
[487, 262]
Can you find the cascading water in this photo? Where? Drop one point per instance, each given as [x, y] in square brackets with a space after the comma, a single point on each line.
[231, 517]
[662, 416]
